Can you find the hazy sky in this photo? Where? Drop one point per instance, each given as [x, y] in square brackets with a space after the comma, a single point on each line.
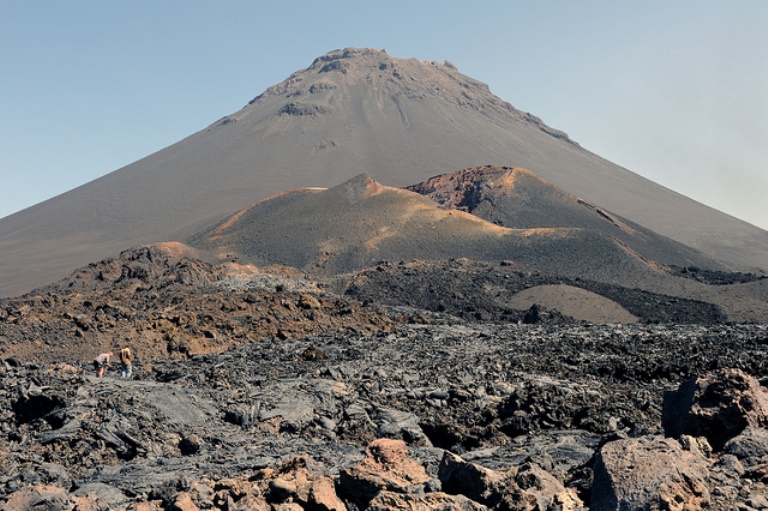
[676, 91]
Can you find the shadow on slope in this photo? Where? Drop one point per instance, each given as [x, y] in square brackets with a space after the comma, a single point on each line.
[480, 291]
[517, 198]
[400, 120]
[360, 222]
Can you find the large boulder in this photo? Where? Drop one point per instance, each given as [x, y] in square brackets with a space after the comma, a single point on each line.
[183, 502]
[524, 488]
[303, 482]
[34, 498]
[481, 484]
[650, 473]
[549, 492]
[386, 467]
[241, 494]
[751, 444]
[718, 406]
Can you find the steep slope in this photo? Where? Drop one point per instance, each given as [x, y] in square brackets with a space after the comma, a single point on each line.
[519, 199]
[401, 121]
[355, 224]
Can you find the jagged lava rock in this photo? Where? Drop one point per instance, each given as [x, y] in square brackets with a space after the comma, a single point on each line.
[751, 443]
[386, 467]
[649, 473]
[527, 487]
[390, 501]
[718, 406]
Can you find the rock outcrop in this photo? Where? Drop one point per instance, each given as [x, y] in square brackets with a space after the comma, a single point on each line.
[649, 473]
[527, 487]
[718, 406]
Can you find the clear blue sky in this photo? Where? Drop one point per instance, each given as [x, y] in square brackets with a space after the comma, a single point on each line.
[675, 91]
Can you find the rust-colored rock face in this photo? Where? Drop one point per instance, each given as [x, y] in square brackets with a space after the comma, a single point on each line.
[390, 501]
[527, 487]
[302, 482]
[386, 467]
[467, 189]
[718, 406]
[34, 498]
[183, 502]
[649, 473]
[167, 304]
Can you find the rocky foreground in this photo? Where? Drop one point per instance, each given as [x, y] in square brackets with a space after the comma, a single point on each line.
[448, 415]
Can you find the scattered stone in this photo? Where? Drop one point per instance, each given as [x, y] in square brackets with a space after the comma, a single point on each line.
[302, 481]
[526, 407]
[527, 487]
[183, 502]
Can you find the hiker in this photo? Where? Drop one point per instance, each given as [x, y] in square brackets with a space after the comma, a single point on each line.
[101, 362]
[126, 368]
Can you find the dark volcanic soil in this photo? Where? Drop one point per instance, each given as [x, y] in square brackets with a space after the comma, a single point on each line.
[496, 395]
[480, 291]
[258, 389]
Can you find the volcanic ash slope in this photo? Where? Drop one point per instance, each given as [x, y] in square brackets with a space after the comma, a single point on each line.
[351, 110]
[355, 224]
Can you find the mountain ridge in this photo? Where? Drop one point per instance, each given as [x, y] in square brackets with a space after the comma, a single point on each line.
[518, 198]
[353, 224]
[340, 232]
[399, 120]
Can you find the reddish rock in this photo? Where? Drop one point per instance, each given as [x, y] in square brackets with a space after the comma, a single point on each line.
[389, 501]
[249, 503]
[301, 481]
[183, 502]
[145, 506]
[758, 473]
[718, 406]
[528, 487]
[89, 504]
[548, 491]
[649, 473]
[322, 496]
[288, 506]
[307, 301]
[34, 498]
[475, 482]
[231, 491]
[386, 467]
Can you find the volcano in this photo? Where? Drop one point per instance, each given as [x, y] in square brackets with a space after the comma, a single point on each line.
[350, 112]
[353, 225]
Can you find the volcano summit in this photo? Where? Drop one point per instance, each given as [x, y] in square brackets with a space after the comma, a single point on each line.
[351, 111]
